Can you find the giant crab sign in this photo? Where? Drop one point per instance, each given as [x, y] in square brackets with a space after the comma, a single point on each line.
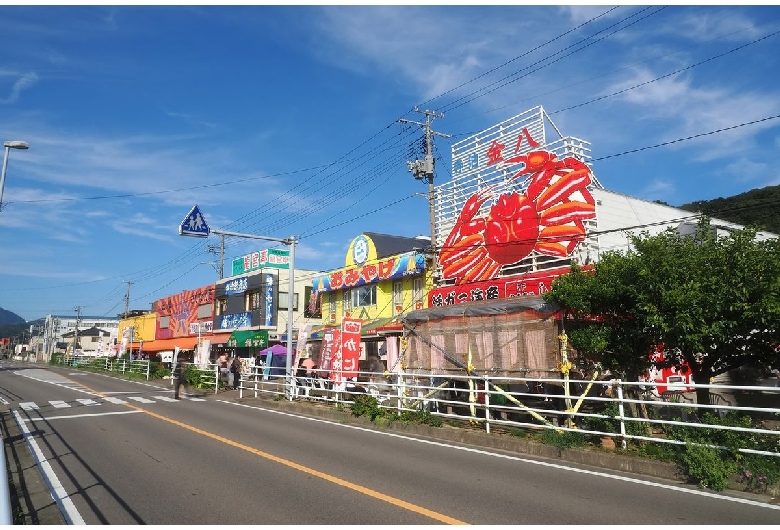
[496, 229]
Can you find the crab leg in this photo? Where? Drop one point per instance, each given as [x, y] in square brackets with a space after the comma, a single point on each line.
[563, 187]
[567, 212]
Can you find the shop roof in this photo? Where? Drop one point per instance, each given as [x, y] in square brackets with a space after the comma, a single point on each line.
[491, 307]
[387, 245]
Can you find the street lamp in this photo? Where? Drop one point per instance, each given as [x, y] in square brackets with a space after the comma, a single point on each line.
[8, 147]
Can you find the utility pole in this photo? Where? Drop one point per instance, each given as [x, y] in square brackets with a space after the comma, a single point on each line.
[127, 298]
[423, 169]
[78, 320]
[213, 250]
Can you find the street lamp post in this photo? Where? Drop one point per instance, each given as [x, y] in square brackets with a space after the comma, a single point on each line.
[8, 147]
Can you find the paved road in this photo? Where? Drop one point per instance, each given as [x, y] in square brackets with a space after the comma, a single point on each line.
[122, 452]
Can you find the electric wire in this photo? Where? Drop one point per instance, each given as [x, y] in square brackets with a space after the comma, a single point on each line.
[602, 158]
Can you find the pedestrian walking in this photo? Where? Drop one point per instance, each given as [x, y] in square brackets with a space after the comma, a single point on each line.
[235, 369]
[179, 377]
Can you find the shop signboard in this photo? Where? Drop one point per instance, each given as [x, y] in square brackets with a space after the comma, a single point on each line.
[517, 202]
[531, 284]
[269, 258]
[406, 264]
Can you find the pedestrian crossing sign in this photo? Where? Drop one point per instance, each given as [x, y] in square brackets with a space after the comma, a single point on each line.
[194, 224]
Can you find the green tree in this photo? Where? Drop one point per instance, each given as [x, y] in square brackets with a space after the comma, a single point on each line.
[717, 299]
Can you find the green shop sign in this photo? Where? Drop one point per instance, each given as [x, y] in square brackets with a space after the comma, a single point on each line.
[269, 258]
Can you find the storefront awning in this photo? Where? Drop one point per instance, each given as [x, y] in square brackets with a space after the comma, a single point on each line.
[252, 338]
[219, 339]
[184, 343]
[381, 326]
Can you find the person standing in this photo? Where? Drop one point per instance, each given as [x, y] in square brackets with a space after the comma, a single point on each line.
[235, 369]
[222, 364]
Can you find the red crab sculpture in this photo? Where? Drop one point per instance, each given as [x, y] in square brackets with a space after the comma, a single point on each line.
[544, 219]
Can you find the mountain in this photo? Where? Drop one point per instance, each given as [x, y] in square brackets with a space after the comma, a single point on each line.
[7, 317]
[757, 207]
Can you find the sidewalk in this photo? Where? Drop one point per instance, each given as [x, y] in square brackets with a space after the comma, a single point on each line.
[31, 501]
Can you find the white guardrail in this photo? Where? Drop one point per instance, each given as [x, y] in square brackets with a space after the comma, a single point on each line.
[601, 407]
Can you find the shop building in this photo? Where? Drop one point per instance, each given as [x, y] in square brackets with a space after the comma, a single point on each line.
[522, 205]
[57, 329]
[384, 277]
[251, 305]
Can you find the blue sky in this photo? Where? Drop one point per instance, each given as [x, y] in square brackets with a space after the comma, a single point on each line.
[283, 121]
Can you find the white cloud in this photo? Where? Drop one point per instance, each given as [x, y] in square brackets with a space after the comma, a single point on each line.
[728, 24]
[24, 82]
[746, 170]
[658, 188]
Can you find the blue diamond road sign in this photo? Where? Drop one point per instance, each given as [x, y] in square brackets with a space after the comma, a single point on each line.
[194, 224]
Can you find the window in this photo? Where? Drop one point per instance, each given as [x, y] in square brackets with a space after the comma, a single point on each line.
[346, 301]
[204, 311]
[417, 291]
[253, 300]
[313, 303]
[165, 322]
[332, 304]
[221, 306]
[284, 298]
[398, 297]
[363, 296]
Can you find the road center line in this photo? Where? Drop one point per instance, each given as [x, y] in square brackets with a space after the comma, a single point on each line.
[294, 465]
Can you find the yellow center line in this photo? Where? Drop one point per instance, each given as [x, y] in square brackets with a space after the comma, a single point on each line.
[289, 463]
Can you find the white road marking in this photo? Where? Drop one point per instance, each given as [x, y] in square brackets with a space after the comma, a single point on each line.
[28, 406]
[59, 404]
[76, 416]
[165, 398]
[88, 402]
[140, 399]
[679, 489]
[59, 494]
[116, 401]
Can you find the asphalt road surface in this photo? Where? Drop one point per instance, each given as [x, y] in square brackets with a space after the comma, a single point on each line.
[122, 452]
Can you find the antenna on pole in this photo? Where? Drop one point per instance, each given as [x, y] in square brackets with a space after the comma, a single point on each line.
[424, 170]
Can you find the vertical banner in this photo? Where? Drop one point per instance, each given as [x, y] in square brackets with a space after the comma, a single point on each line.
[204, 353]
[269, 300]
[300, 345]
[393, 362]
[350, 346]
[330, 348]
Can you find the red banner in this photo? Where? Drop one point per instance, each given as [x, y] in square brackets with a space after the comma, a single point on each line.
[350, 346]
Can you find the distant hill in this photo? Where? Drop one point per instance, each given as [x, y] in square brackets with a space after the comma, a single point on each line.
[756, 207]
[7, 317]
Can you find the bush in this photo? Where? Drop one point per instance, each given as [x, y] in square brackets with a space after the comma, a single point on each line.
[605, 425]
[755, 472]
[563, 439]
[366, 405]
[709, 466]
[422, 417]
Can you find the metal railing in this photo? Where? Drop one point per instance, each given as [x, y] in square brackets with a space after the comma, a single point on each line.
[626, 411]
[109, 364]
[6, 515]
